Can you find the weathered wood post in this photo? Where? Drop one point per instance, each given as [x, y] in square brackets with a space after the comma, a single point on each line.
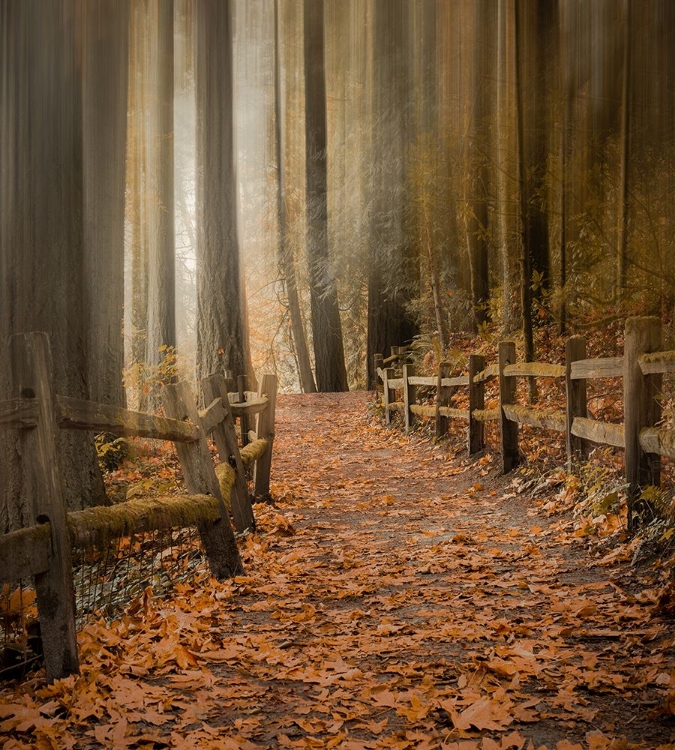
[31, 365]
[200, 479]
[265, 429]
[387, 393]
[225, 438]
[443, 396]
[476, 402]
[576, 406]
[641, 408]
[409, 396]
[507, 395]
[378, 366]
[243, 420]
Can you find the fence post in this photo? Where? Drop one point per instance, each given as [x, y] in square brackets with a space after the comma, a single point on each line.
[225, 439]
[507, 395]
[576, 406]
[388, 373]
[378, 365]
[200, 479]
[409, 397]
[641, 408]
[443, 396]
[243, 420]
[32, 369]
[476, 401]
[265, 429]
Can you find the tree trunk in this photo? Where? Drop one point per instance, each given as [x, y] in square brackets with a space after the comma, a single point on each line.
[220, 316]
[42, 233]
[105, 48]
[286, 261]
[329, 358]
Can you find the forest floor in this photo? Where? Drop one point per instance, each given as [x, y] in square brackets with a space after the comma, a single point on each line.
[397, 595]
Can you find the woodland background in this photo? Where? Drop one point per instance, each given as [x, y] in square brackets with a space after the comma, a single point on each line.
[287, 186]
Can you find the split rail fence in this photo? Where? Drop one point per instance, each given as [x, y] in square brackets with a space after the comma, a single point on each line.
[43, 550]
[641, 368]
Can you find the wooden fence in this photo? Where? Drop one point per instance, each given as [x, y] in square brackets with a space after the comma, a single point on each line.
[641, 368]
[43, 550]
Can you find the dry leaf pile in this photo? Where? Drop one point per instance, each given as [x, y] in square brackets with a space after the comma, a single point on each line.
[395, 597]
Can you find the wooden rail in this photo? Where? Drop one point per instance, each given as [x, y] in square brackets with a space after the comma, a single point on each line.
[641, 367]
[43, 550]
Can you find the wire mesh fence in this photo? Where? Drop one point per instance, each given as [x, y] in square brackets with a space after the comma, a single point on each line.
[106, 580]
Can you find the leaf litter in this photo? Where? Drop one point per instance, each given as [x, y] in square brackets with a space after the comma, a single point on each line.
[395, 596]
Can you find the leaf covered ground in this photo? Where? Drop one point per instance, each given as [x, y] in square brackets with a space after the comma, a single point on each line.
[396, 596]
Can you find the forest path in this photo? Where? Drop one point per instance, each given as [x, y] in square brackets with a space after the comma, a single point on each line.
[419, 603]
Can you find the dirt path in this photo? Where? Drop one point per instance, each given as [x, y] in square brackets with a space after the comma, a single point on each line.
[394, 597]
[417, 605]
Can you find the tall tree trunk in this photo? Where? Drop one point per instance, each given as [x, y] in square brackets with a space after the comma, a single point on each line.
[220, 315]
[160, 186]
[286, 260]
[329, 358]
[105, 48]
[622, 218]
[42, 234]
[393, 264]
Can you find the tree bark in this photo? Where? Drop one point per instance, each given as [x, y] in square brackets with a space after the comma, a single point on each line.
[220, 315]
[42, 232]
[286, 260]
[329, 358]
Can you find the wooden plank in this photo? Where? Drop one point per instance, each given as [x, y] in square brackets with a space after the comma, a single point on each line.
[545, 419]
[265, 431]
[78, 414]
[453, 382]
[476, 436]
[535, 369]
[249, 408]
[225, 438]
[660, 441]
[25, 553]
[492, 371]
[603, 433]
[31, 366]
[200, 479]
[18, 413]
[641, 409]
[657, 363]
[607, 367]
[213, 415]
[409, 397]
[507, 397]
[448, 411]
[396, 384]
[576, 402]
[487, 415]
[423, 380]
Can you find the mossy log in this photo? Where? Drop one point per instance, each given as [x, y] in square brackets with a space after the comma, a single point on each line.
[225, 473]
[96, 527]
[446, 411]
[545, 419]
[486, 415]
[657, 362]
